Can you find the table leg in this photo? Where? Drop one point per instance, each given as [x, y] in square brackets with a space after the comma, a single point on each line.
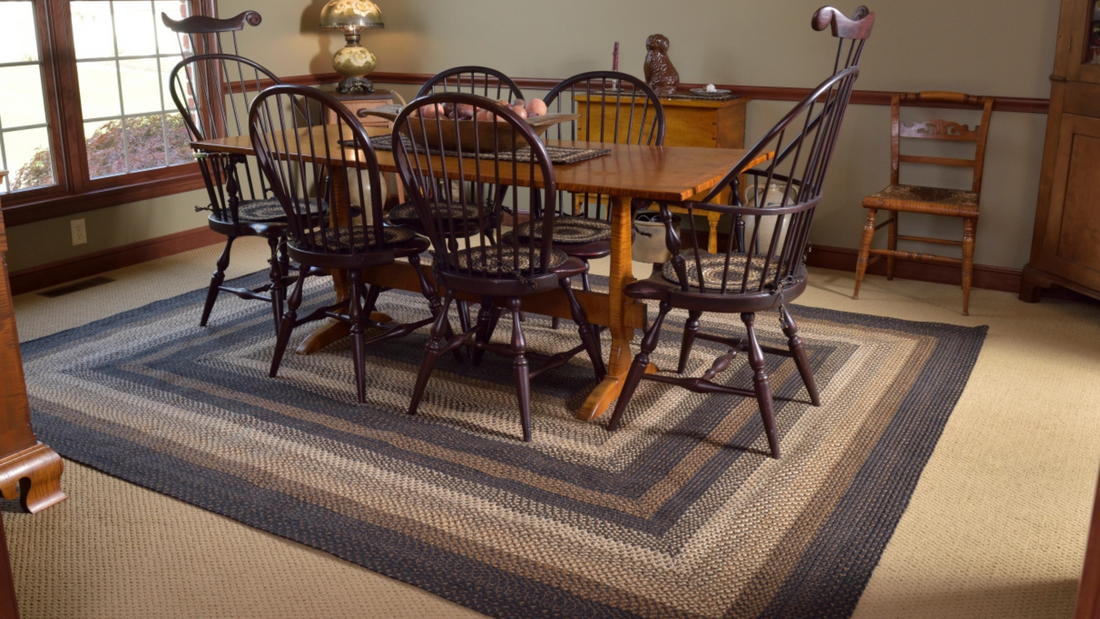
[332, 330]
[622, 274]
[712, 231]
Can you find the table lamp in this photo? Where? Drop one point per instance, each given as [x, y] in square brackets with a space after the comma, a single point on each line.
[353, 61]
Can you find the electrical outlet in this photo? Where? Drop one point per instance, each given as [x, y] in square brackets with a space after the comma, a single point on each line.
[80, 234]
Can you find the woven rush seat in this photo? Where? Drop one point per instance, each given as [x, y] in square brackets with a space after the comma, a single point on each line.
[958, 198]
[713, 265]
[335, 240]
[405, 214]
[512, 261]
[261, 210]
[568, 230]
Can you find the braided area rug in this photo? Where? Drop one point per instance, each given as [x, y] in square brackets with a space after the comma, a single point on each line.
[680, 513]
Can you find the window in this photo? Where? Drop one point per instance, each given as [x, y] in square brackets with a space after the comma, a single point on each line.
[86, 118]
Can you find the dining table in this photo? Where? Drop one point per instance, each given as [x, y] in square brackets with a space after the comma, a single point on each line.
[668, 174]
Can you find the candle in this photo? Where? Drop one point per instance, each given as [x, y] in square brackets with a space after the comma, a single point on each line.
[615, 58]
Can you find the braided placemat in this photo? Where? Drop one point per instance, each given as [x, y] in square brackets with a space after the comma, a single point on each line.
[558, 154]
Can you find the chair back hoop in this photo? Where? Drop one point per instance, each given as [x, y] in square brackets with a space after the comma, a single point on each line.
[786, 189]
[213, 93]
[465, 220]
[202, 34]
[618, 108]
[939, 129]
[478, 80]
[307, 164]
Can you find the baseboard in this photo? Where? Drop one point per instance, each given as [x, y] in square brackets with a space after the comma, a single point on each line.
[985, 276]
[86, 265]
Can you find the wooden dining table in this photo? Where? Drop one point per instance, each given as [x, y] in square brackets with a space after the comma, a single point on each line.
[657, 173]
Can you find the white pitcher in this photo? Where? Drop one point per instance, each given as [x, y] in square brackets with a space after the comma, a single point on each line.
[770, 198]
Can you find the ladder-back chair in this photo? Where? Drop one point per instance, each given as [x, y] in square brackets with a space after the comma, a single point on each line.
[504, 152]
[743, 280]
[898, 198]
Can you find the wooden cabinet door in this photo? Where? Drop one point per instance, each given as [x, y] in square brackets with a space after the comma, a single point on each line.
[1071, 245]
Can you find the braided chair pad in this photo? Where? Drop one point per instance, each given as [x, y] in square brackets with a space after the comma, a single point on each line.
[405, 214]
[332, 242]
[488, 264]
[268, 210]
[568, 230]
[713, 266]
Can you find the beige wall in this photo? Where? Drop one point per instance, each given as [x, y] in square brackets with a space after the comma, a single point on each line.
[43, 242]
[1003, 48]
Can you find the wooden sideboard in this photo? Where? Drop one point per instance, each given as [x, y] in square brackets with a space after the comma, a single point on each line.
[26, 464]
[1065, 247]
[694, 122]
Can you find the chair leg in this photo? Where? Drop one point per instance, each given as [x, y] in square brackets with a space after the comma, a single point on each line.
[216, 280]
[891, 243]
[358, 338]
[588, 337]
[435, 305]
[691, 327]
[431, 353]
[276, 276]
[761, 385]
[970, 227]
[794, 343]
[522, 370]
[638, 368]
[484, 334]
[864, 249]
[286, 324]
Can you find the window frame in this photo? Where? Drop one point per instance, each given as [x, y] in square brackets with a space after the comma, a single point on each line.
[74, 190]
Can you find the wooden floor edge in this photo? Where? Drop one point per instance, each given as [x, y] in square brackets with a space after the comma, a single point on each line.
[86, 265]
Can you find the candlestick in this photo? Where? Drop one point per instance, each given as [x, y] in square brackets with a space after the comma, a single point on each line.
[615, 58]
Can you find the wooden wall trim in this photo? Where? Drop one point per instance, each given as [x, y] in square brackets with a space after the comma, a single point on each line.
[79, 267]
[54, 206]
[985, 276]
[765, 93]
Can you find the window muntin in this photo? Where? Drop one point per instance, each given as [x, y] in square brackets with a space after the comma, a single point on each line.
[119, 55]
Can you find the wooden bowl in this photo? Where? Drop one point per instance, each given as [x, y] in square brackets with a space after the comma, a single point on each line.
[490, 135]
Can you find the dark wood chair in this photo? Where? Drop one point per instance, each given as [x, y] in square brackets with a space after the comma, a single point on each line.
[296, 160]
[213, 92]
[898, 198]
[203, 34]
[583, 225]
[484, 81]
[464, 262]
[746, 281]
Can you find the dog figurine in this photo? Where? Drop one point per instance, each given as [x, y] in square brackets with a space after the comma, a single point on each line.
[659, 72]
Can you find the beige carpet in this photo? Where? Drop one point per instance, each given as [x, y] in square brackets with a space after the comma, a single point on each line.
[996, 527]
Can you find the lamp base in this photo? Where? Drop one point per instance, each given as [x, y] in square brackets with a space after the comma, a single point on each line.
[356, 85]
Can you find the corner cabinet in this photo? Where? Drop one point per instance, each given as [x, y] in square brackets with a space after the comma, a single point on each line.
[1065, 248]
[25, 464]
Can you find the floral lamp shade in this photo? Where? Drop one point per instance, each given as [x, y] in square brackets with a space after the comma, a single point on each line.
[353, 61]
